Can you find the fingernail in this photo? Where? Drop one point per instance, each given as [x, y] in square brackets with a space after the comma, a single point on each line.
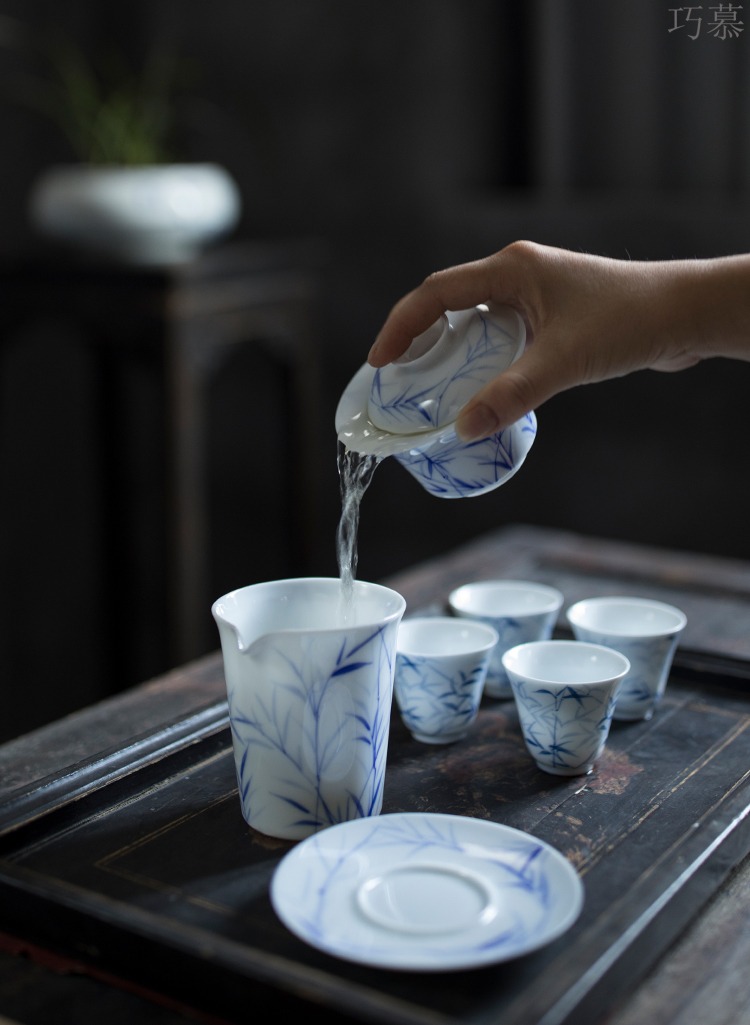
[476, 422]
[374, 350]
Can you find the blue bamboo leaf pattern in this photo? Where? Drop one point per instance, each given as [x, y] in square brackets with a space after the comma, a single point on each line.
[406, 406]
[564, 728]
[650, 662]
[437, 699]
[489, 349]
[352, 667]
[519, 872]
[324, 724]
[450, 468]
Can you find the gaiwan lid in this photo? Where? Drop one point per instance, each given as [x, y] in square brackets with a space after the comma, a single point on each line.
[443, 368]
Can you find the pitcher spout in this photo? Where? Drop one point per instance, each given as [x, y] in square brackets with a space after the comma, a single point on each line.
[226, 615]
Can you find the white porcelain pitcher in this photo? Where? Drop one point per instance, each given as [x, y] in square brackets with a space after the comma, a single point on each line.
[310, 685]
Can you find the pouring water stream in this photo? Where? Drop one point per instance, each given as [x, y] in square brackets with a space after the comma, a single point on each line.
[355, 473]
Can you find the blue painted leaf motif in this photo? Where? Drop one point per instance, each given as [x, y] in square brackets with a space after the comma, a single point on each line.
[434, 701]
[352, 667]
[488, 348]
[442, 468]
[522, 866]
[406, 405]
[572, 743]
[313, 719]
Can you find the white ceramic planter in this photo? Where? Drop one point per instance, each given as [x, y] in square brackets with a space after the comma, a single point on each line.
[150, 215]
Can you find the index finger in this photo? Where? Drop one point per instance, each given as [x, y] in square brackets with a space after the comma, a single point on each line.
[455, 288]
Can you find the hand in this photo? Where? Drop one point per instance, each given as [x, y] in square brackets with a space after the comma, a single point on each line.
[588, 318]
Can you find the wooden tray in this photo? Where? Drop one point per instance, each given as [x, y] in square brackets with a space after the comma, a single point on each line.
[141, 867]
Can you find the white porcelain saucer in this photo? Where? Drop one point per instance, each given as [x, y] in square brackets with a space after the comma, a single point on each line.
[425, 892]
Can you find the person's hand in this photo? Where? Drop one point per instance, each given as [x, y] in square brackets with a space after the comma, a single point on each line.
[588, 318]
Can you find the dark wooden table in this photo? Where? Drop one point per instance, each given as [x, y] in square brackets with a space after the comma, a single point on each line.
[131, 889]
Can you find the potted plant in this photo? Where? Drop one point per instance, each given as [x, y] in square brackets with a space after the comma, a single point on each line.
[125, 194]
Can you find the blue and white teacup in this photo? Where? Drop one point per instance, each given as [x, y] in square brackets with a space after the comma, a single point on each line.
[441, 665]
[565, 694]
[646, 631]
[520, 611]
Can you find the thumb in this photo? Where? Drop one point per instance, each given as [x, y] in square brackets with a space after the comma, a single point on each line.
[533, 379]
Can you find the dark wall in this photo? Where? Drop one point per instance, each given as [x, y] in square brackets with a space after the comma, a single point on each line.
[406, 136]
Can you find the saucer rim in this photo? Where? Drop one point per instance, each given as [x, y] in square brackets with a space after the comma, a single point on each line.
[400, 954]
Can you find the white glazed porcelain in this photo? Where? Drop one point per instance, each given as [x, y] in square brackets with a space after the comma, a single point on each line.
[150, 215]
[426, 892]
[647, 632]
[519, 610]
[428, 385]
[441, 664]
[310, 684]
[408, 408]
[565, 693]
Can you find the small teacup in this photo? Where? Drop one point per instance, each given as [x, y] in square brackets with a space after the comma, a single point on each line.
[646, 632]
[565, 693]
[441, 666]
[520, 611]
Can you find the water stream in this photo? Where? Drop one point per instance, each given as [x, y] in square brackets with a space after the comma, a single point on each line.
[355, 473]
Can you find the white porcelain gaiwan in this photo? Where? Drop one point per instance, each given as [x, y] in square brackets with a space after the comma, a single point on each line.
[408, 408]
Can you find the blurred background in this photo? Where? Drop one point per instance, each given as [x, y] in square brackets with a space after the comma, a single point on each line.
[166, 432]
